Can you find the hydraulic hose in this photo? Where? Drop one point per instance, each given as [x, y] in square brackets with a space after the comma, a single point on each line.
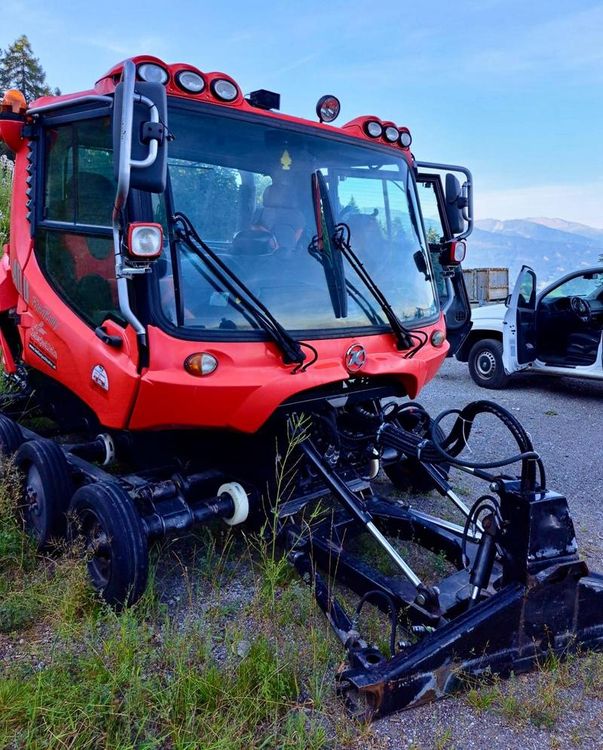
[433, 449]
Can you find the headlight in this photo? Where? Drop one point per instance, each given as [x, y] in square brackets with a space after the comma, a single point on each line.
[190, 81]
[391, 134]
[405, 138]
[152, 73]
[374, 128]
[327, 108]
[224, 89]
[145, 241]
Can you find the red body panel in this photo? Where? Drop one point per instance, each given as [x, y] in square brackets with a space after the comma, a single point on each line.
[251, 381]
[58, 343]
[8, 291]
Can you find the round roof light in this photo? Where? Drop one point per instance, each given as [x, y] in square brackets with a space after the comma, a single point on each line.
[152, 73]
[391, 134]
[190, 81]
[405, 138]
[224, 89]
[374, 128]
[327, 108]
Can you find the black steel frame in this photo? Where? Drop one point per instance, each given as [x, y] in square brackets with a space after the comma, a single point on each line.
[518, 593]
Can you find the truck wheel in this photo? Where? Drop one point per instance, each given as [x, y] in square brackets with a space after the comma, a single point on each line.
[486, 366]
[10, 436]
[104, 517]
[47, 489]
[408, 474]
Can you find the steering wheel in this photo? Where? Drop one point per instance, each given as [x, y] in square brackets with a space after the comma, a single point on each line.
[581, 309]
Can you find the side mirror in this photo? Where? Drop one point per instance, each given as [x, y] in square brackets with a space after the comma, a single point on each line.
[140, 109]
[507, 300]
[456, 202]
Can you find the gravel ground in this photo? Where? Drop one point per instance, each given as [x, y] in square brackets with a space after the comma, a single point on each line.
[565, 418]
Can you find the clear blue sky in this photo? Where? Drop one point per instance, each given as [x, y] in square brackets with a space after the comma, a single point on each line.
[512, 89]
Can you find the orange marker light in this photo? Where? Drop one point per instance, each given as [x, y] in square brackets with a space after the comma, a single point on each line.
[200, 364]
[13, 101]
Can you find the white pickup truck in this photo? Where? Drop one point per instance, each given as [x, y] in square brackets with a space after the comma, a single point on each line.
[559, 331]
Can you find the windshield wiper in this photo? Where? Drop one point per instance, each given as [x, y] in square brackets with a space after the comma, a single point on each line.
[323, 247]
[240, 292]
[340, 240]
[353, 291]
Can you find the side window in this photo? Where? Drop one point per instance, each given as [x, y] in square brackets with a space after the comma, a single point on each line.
[527, 292]
[74, 245]
[435, 234]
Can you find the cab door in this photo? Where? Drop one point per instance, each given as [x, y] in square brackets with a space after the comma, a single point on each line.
[519, 325]
[452, 293]
[70, 322]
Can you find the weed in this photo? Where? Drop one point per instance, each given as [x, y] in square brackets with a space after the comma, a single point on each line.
[443, 740]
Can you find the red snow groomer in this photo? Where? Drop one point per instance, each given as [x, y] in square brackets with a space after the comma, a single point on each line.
[198, 285]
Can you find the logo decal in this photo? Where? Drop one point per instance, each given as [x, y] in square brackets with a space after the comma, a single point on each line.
[355, 358]
[286, 160]
[100, 377]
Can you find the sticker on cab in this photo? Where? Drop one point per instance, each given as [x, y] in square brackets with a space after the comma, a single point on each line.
[100, 377]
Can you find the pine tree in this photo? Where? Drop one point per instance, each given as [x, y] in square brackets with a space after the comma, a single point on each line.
[19, 69]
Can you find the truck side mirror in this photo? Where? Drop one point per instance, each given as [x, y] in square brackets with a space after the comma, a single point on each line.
[456, 202]
[141, 109]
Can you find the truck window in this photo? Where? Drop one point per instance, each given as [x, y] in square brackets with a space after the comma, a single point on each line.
[74, 246]
[435, 234]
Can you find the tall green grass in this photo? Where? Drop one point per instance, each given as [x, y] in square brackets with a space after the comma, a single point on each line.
[78, 675]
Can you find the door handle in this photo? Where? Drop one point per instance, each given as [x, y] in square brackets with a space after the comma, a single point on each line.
[115, 341]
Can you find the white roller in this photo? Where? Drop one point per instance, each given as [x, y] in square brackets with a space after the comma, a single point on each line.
[240, 500]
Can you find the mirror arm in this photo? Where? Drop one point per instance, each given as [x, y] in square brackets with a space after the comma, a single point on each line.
[123, 188]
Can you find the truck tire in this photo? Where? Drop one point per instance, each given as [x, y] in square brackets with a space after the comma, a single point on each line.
[103, 516]
[486, 365]
[47, 489]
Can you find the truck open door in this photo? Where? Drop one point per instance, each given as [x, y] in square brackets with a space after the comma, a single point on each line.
[519, 329]
[447, 225]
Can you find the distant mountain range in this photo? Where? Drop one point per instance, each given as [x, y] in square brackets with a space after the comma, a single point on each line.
[552, 247]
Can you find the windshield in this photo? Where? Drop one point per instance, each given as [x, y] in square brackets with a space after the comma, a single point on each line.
[247, 189]
[589, 286]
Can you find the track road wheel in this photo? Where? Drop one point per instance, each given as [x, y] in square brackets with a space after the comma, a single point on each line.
[407, 474]
[104, 517]
[486, 365]
[47, 489]
[10, 436]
